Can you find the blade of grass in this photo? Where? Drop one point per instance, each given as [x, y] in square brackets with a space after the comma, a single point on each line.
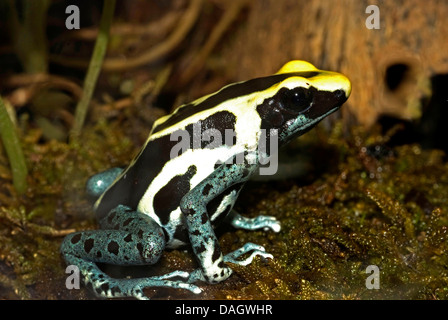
[27, 28]
[13, 150]
[94, 69]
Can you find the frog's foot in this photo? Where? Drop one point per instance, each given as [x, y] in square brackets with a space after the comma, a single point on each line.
[107, 287]
[128, 238]
[260, 222]
[134, 287]
[115, 288]
[256, 249]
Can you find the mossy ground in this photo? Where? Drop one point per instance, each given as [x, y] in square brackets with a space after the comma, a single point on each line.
[368, 204]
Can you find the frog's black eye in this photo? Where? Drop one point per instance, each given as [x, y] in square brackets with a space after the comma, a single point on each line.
[297, 100]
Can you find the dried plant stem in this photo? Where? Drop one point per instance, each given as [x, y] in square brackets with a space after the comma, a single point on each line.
[95, 64]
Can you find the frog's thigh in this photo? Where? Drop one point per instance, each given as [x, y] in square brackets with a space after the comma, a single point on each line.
[126, 238]
[130, 238]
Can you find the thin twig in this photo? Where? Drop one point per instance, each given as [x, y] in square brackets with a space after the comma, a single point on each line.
[30, 84]
[95, 66]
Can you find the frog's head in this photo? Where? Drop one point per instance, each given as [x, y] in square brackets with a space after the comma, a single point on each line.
[303, 96]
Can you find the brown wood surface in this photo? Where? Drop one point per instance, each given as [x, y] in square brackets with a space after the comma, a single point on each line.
[332, 35]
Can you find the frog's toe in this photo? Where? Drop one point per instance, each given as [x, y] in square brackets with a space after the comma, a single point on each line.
[191, 287]
[260, 222]
[138, 290]
[256, 250]
[249, 259]
[138, 294]
[177, 273]
[269, 222]
[115, 288]
[161, 282]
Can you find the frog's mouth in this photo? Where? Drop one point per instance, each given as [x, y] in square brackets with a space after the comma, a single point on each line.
[325, 103]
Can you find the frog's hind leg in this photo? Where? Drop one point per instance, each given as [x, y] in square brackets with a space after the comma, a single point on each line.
[127, 238]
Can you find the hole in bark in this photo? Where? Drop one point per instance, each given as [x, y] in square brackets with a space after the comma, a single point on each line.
[395, 75]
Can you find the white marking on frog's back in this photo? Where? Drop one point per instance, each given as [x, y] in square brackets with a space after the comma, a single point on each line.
[247, 116]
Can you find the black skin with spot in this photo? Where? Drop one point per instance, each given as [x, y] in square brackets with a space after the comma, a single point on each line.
[219, 121]
[75, 239]
[168, 197]
[113, 247]
[88, 245]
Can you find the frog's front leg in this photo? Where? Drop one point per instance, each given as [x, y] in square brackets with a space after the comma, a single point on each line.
[127, 238]
[98, 183]
[202, 236]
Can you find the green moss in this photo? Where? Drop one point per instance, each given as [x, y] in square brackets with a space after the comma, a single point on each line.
[32, 226]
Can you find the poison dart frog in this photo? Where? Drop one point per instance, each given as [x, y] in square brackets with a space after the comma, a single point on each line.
[174, 194]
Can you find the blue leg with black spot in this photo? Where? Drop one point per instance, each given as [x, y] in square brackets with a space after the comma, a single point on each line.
[128, 238]
[202, 236]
